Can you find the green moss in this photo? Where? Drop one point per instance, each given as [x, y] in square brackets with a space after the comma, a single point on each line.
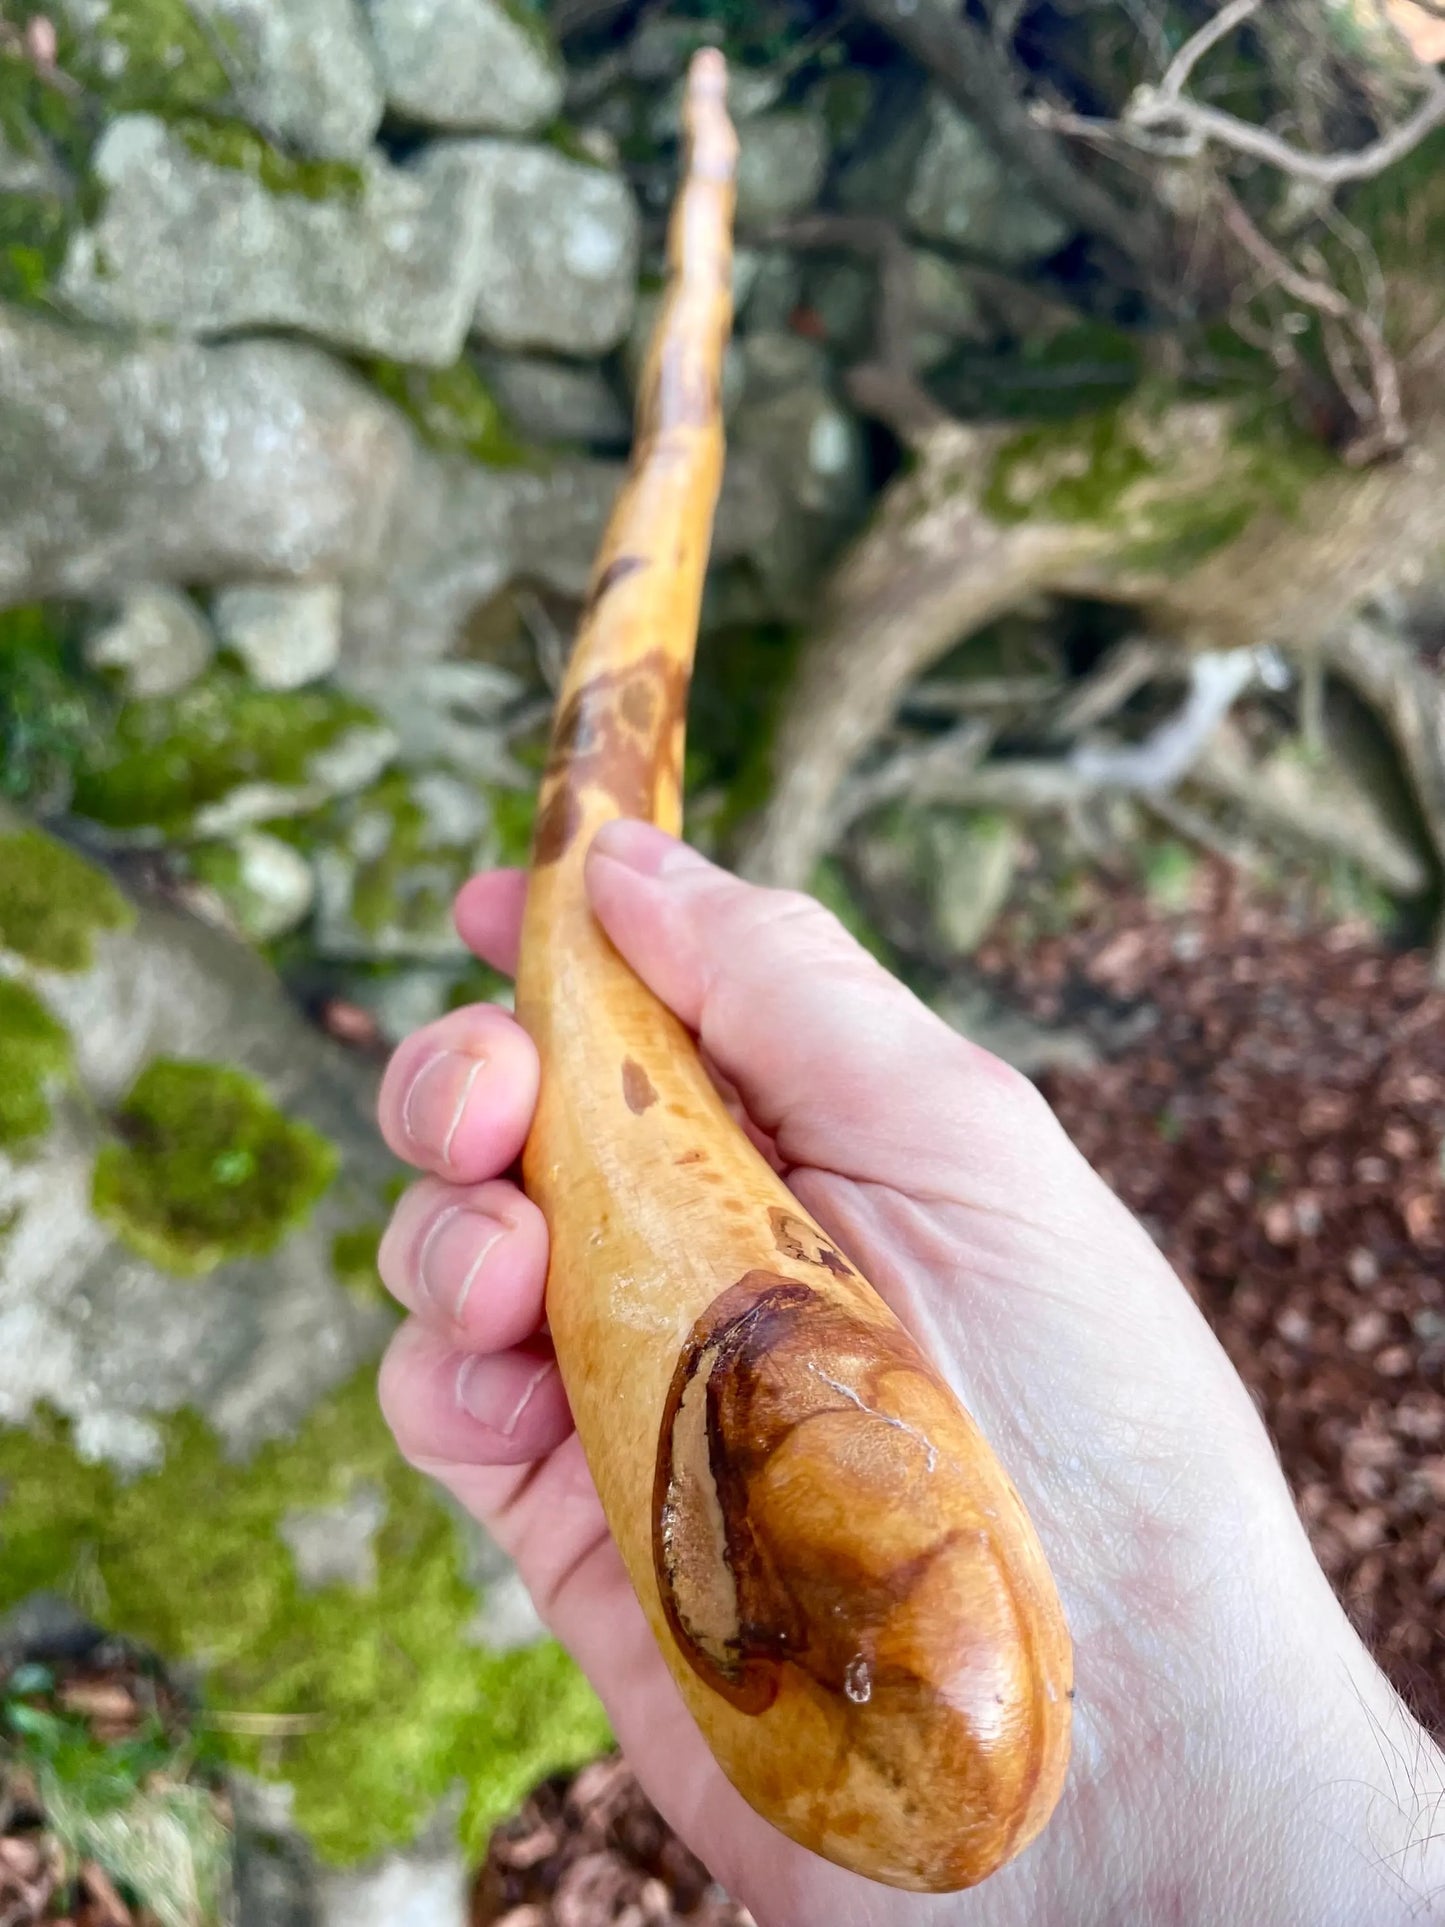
[229, 143]
[35, 1051]
[453, 409]
[170, 757]
[206, 1168]
[1075, 472]
[52, 902]
[513, 814]
[353, 1259]
[569, 143]
[397, 1703]
[1169, 870]
[53, 712]
[170, 58]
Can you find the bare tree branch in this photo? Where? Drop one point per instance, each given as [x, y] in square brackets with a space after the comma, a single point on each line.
[1182, 66]
[973, 70]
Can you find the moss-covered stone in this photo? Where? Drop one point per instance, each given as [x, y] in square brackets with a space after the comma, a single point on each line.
[35, 1053]
[156, 55]
[230, 143]
[168, 758]
[453, 409]
[44, 123]
[206, 1168]
[53, 903]
[353, 1259]
[53, 711]
[396, 1703]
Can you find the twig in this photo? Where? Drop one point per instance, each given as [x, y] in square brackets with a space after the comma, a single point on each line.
[547, 640]
[911, 772]
[1149, 114]
[1383, 402]
[1195, 48]
[1125, 669]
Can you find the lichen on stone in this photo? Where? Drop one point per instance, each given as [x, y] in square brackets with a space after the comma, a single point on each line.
[395, 1703]
[35, 1053]
[230, 143]
[53, 903]
[170, 757]
[205, 1168]
[453, 409]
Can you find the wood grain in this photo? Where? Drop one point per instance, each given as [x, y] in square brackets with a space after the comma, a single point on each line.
[838, 1572]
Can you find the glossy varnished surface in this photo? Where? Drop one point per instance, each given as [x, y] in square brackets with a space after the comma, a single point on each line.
[836, 1569]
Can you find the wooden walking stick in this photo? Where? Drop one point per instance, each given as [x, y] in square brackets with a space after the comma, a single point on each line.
[841, 1578]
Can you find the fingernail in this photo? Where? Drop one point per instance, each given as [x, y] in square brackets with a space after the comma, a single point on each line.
[646, 849]
[437, 1100]
[452, 1255]
[488, 1389]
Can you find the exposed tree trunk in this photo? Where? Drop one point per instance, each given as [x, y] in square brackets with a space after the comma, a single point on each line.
[935, 565]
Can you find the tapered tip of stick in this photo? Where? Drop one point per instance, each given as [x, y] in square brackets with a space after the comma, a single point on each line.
[707, 77]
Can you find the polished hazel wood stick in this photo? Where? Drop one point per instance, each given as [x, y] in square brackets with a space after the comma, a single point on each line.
[838, 1572]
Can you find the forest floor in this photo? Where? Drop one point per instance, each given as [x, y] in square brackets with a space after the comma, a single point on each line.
[1270, 1099]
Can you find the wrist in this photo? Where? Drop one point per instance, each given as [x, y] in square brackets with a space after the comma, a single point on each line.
[1341, 1810]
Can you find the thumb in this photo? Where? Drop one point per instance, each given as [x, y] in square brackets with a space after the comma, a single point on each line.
[841, 1065]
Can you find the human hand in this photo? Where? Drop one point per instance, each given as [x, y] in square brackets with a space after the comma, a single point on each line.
[1237, 1755]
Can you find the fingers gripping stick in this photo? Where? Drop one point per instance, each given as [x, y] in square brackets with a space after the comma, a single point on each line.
[836, 1568]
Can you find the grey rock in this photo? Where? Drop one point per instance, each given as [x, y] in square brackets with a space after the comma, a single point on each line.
[100, 1334]
[557, 401]
[507, 1620]
[877, 176]
[171, 462]
[287, 634]
[403, 1000]
[425, 1886]
[969, 864]
[307, 71]
[811, 450]
[157, 640]
[844, 99]
[945, 306]
[843, 294]
[446, 712]
[335, 1545]
[461, 534]
[775, 290]
[44, 1622]
[775, 361]
[660, 48]
[275, 1878]
[782, 159]
[204, 249]
[559, 257]
[352, 760]
[963, 192]
[466, 64]
[257, 885]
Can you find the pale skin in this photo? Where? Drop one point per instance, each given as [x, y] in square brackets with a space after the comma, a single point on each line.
[1237, 1755]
